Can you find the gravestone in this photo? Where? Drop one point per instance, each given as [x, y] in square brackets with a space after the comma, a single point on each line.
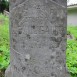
[37, 38]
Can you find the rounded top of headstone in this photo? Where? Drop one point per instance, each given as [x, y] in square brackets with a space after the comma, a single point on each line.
[61, 2]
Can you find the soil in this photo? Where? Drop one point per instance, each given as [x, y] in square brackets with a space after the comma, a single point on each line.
[1, 22]
[2, 73]
[69, 36]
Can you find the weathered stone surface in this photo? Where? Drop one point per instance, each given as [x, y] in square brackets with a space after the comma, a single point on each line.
[38, 38]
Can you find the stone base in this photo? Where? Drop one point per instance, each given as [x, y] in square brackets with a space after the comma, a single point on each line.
[11, 73]
[8, 72]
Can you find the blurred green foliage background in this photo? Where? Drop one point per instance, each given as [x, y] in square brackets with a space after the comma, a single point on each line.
[4, 43]
[4, 5]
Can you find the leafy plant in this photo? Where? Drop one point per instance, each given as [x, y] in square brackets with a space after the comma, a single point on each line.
[71, 52]
[4, 43]
[72, 56]
[4, 57]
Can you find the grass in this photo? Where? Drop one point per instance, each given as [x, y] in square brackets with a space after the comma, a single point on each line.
[71, 52]
[72, 30]
[4, 43]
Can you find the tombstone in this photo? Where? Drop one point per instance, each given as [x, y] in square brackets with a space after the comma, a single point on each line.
[37, 38]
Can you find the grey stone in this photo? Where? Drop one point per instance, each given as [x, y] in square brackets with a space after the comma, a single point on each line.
[37, 38]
